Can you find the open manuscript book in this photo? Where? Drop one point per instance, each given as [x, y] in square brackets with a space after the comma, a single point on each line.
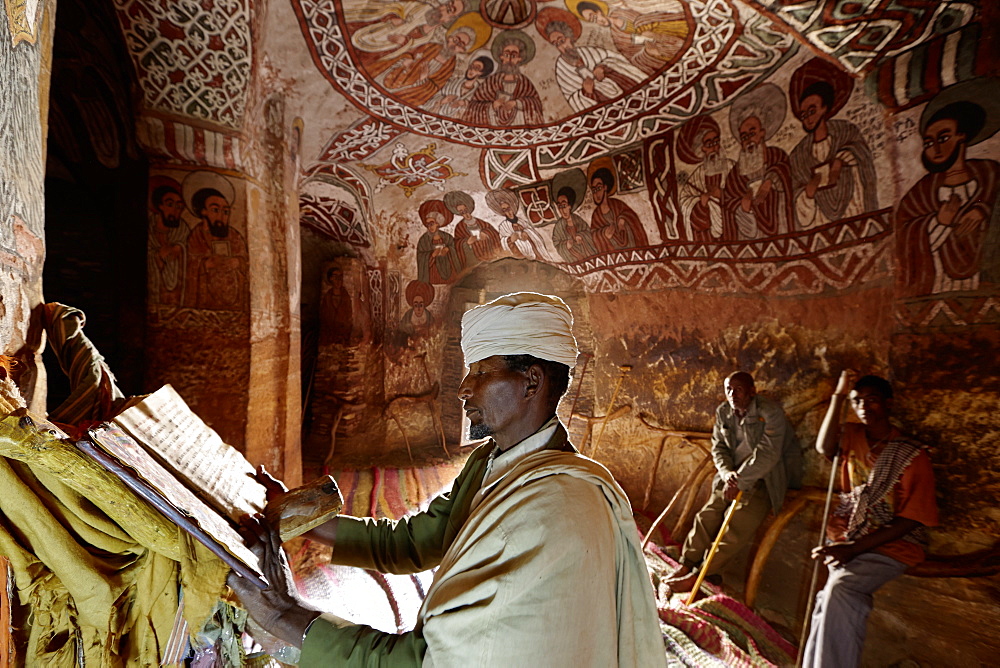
[168, 456]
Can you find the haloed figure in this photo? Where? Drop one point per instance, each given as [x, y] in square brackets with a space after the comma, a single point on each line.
[217, 256]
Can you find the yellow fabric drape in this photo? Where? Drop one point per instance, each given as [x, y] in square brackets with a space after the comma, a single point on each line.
[97, 568]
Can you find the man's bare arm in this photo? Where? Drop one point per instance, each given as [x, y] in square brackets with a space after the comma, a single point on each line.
[828, 440]
[841, 553]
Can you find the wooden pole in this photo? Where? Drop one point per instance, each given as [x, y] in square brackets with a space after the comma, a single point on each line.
[815, 574]
[579, 386]
[607, 414]
[715, 547]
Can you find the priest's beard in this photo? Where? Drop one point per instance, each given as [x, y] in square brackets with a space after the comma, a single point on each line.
[481, 430]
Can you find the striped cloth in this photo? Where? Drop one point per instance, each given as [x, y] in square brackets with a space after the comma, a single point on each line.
[721, 630]
[870, 504]
[715, 631]
[391, 492]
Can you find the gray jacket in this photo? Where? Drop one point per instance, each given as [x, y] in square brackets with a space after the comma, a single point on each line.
[776, 456]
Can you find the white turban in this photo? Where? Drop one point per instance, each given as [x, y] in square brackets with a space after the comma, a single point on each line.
[522, 323]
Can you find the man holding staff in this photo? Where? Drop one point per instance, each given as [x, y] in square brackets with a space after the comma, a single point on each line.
[755, 451]
[538, 559]
[878, 529]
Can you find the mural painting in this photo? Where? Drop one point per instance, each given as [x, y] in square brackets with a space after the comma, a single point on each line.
[519, 238]
[571, 234]
[508, 96]
[409, 171]
[332, 207]
[833, 172]
[336, 310]
[514, 73]
[587, 75]
[216, 272]
[758, 191]
[167, 244]
[613, 223]
[417, 321]
[475, 240]
[701, 193]
[196, 258]
[347, 311]
[948, 223]
[437, 259]
[425, 55]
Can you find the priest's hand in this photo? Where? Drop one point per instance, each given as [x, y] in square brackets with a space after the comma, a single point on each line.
[278, 609]
[275, 489]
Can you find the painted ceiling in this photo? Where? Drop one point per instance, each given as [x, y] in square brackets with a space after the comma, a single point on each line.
[406, 103]
[392, 60]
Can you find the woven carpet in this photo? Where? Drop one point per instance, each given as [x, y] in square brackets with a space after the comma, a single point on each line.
[717, 630]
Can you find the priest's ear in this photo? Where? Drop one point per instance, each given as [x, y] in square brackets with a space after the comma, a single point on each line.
[535, 376]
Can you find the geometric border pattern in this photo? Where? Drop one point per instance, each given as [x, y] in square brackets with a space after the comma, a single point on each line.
[937, 312]
[833, 256]
[182, 143]
[359, 141]
[192, 57]
[859, 34]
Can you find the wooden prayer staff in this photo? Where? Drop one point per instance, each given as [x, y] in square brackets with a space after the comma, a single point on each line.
[583, 372]
[815, 574]
[607, 414]
[715, 546]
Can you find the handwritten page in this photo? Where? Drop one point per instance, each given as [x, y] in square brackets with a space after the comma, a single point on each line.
[123, 448]
[164, 424]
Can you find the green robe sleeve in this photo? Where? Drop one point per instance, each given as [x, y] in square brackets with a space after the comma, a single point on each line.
[409, 545]
[416, 543]
[328, 643]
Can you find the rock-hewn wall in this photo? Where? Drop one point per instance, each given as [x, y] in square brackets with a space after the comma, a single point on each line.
[25, 68]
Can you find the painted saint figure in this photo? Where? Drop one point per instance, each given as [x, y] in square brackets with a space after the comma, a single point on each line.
[614, 225]
[336, 310]
[453, 99]
[167, 244]
[520, 239]
[417, 321]
[571, 234]
[475, 240]
[758, 189]
[384, 30]
[649, 41]
[436, 259]
[587, 75]
[948, 224]
[833, 173]
[507, 97]
[418, 74]
[701, 195]
[217, 253]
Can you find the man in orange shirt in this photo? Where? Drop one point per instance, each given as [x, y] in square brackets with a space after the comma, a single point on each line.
[879, 528]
